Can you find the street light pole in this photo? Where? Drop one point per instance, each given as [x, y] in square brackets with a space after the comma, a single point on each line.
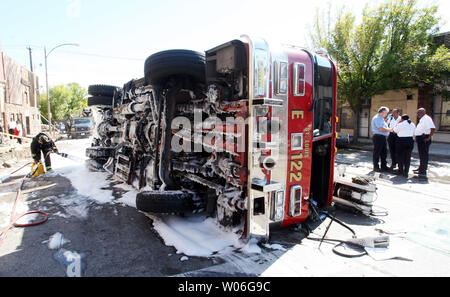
[46, 82]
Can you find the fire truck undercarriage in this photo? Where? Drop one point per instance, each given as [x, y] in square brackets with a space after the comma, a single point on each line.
[137, 138]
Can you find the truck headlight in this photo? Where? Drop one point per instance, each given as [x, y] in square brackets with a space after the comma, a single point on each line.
[281, 77]
[295, 208]
[297, 141]
[280, 198]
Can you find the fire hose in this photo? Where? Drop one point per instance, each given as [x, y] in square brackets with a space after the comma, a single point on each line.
[14, 218]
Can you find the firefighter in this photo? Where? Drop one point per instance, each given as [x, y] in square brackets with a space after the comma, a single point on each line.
[43, 143]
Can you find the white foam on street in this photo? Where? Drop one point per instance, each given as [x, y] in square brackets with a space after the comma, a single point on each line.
[277, 247]
[195, 235]
[86, 183]
[128, 198]
[6, 208]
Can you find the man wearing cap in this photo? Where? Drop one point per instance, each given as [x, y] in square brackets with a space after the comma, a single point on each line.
[380, 132]
[424, 133]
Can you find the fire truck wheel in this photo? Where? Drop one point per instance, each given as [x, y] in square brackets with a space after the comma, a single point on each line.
[166, 202]
[100, 101]
[163, 65]
[102, 90]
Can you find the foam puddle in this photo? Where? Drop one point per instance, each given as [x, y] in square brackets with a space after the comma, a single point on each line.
[56, 241]
[195, 235]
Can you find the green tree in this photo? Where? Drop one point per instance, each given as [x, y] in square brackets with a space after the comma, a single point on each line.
[391, 48]
[65, 101]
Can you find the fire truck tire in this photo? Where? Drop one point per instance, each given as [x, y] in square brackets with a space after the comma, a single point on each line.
[102, 90]
[163, 65]
[100, 101]
[166, 202]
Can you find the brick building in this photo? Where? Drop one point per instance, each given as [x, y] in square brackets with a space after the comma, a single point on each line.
[19, 93]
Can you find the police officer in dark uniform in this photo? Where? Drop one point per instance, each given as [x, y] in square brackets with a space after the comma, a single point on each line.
[43, 143]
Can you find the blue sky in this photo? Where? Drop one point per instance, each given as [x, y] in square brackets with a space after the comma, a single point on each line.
[115, 36]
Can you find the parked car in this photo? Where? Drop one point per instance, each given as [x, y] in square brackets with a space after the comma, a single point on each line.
[81, 127]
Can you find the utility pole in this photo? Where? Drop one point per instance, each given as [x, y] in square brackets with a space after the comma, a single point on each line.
[31, 58]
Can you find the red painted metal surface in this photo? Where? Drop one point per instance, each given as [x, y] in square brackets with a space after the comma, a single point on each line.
[300, 119]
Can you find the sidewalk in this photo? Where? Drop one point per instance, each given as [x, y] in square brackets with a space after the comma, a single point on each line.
[437, 149]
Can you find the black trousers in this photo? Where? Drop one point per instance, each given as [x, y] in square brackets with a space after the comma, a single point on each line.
[379, 151]
[11, 131]
[392, 143]
[424, 149]
[405, 146]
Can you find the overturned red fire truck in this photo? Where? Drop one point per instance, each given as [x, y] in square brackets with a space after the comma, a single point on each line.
[245, 132]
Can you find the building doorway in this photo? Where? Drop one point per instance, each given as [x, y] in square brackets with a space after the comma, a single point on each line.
[364, 126]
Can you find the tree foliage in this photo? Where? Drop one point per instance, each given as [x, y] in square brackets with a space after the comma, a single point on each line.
[390, 48]
[65, 101]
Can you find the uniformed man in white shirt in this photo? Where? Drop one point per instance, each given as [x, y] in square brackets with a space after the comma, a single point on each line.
[380, 132]
[393, 120]
[424, 133]
[405, 144]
